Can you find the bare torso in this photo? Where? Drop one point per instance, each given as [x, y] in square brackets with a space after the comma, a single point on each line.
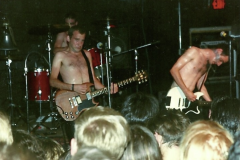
[74, 68]
[192, 71]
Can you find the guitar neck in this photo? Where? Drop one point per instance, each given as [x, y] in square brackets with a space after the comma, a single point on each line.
[204, 103]
[140, 77]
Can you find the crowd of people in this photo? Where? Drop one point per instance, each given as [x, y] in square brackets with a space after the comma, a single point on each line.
[141, 129]
[104, 133]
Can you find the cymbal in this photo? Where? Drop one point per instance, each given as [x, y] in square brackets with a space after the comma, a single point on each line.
[12, 57]
[45, 29]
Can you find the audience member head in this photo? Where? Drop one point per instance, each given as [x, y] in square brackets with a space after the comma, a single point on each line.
[29, 143]
[6, 131]
[234, 151]
[169, 126]
[139, 108]
[53, 150]
[12, 152]
[91, 153]
[101, 127]
[205, 140]
[143, 145]
[225, 111]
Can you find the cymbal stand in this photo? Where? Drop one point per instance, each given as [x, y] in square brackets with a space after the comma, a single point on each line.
[8, 63]
[108, 63]
[49, 41]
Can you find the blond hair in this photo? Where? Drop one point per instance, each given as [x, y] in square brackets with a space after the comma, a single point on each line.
[6, 131]
[205, 140]
[103, 128]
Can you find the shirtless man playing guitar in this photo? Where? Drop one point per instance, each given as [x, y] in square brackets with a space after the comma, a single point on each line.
[192, 67]
[73, 67]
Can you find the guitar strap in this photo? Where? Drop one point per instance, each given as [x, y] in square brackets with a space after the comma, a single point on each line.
[89, 68]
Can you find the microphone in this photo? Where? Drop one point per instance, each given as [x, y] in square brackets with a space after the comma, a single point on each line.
[226, 36]
[223, 34]
[99, 45]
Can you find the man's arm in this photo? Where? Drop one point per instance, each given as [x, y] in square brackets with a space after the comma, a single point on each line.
[54, 81]
[203, 88]
[58, 43]
[175, 72]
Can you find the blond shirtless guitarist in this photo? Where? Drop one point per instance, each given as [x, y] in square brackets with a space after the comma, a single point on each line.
[191, 69]
[73, 68]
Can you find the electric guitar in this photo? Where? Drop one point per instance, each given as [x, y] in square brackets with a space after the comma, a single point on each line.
[176, 99]
[70, 103]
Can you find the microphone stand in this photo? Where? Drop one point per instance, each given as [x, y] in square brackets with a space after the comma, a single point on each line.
[48, 41]
[108, 64]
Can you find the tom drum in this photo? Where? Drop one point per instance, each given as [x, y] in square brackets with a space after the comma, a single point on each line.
[38, 85]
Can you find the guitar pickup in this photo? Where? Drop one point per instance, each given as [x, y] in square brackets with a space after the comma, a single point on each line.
[89, 96]
[74, 101]
[71, 103]
[78, 99]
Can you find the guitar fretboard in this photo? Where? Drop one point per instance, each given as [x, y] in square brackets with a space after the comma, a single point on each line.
[140, 77]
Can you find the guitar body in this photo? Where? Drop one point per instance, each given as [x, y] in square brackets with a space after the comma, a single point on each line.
[70, 104]
[176, 99]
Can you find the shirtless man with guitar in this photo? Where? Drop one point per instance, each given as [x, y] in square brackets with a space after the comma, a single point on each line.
[73, 68]
[190, 71]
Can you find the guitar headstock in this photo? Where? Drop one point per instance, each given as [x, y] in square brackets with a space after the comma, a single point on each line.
[141, 76]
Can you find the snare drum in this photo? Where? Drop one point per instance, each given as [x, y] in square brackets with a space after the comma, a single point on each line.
[38, 85]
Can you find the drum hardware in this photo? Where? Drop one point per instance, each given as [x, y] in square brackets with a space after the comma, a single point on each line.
[108, 55]
[33, 77]
[44, 73]
[7, 45]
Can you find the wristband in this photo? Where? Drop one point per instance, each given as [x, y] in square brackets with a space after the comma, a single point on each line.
[72, 87]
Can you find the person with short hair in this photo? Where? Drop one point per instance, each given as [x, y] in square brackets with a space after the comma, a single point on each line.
[75, 67]
[61, 43]
[205, 140]
[168, 128]
[140, 108]
[6, 130]
[234, 151]
[142, 146]
[53, 149]
[91, 153]
[101, 127]
[226, 111]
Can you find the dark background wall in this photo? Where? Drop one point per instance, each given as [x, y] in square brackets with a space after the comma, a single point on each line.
[137, 22]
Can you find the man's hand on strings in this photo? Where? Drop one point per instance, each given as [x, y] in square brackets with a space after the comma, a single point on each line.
[190, 96]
